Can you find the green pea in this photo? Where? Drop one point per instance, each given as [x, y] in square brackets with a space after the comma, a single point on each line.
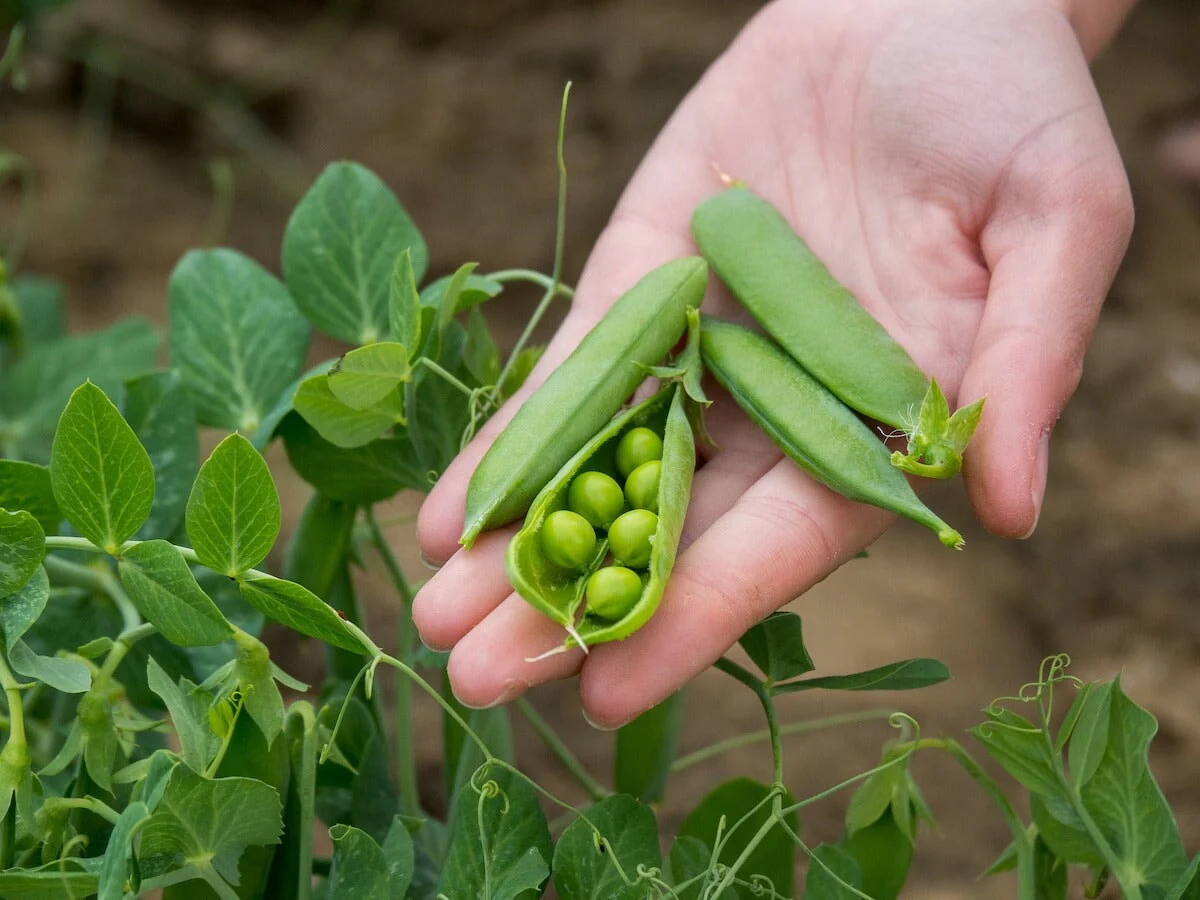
[580, 397]
[630, 538]
[637, 446]
[613, 591]
[597, 497]
[567, 539]
[641, 487]
[810, 425]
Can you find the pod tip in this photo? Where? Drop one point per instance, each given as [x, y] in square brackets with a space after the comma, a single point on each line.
[951, 538]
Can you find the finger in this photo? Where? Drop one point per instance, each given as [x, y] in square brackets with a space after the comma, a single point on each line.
[463, 592]
[784, 535]
[495, 663]
[1053, 246]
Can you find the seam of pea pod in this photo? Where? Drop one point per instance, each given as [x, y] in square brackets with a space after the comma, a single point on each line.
[604, 487]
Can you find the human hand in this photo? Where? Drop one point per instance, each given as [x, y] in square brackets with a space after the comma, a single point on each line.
[951, 163]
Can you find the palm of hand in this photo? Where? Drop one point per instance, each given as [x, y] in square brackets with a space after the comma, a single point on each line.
[938, 161]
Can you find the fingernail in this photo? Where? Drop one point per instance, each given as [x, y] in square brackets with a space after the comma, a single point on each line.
[429, 563]
[1041, 467]
[511, 692]
[588, 719]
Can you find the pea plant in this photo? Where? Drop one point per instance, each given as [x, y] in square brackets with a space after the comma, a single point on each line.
[147, 742]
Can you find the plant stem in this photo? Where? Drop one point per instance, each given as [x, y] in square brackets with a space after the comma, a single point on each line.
[99, 807]
[94, 579]
[533, 277]
[555, 745]
[444, 375]
[123, 644]
[442, 702]
[754, 737]
[406, 763]
[16, 712]
[732, 669]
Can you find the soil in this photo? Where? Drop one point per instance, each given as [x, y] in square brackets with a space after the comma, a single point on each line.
[453, 104]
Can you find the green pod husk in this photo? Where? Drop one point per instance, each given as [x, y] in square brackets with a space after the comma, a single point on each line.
[810, 425]
[560, 594]
[582, 394]
[822, 326]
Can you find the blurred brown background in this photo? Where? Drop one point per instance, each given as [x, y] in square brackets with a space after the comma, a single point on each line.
[455, 105]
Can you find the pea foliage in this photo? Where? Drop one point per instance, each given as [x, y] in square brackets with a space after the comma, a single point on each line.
[151, 743]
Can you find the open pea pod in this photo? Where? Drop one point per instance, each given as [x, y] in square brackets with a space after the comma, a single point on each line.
[559, 593]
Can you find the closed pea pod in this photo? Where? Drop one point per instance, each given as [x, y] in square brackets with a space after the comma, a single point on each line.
[822, 326]
[812, 426]
[582, 394]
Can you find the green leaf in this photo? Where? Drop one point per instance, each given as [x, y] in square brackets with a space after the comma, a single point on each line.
[299, 609]
[883, 853]
[872, 799]
[646, 748]
[1090, 734]
[65, 879]
[446, 300]
[400, 854]
[526, 360]
[1049, 874]
[19, 610]
[907, 675]
[235, 337]
[162, 587]
[159, 410]
[689, 858]
[829, 871]
[1007, 860]
[1188, 885]
[209, 823]
[42, 310]
[773, 858]
[342, 425]
[1021, 748]
[776, 644]
[935, 413]
[114, 871]
[339, 252]
[471, 292]
[480, 355]
[362, 870]
[361, 476]
[22, 547]
[269, 427]
[364, 376]
[233, 512]
[67, 675]
[500, 842]
[962, 425]
[102, 476]
[404, 304]
[255, 676]
[1126, 803]
[355, 786]
[291, 868]
[585, 869]
[26, 485]
[189, 715]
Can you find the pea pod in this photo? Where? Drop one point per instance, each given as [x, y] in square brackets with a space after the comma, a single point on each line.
[558, 592]
[582, 394]
[812, 426]
[821, 325]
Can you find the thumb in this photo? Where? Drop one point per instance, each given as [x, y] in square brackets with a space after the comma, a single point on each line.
[1053, 244]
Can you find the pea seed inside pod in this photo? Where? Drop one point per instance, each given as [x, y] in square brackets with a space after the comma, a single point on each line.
[567, 539]
[638, 445]
[613, 591]
[597, 497]
[641, 487]
[630, 536]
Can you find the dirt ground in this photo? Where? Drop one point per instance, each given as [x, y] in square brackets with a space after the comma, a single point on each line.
[453, 104]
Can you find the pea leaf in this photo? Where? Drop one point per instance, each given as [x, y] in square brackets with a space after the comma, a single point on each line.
[356, 789]
[500, 841]
[584, 870]
[829, 871]
[1049, 873]
[209, 824]
[256, 682]
[776, 644]
[42, 316]
[773, 858]
[159, 410]
[366, 375]
[689, 858]
[907, 675]
[162, 587]
[470, 292]
[342, 425]
[526, 360]
[115, 869]
[404, 304]
[26, 485]
[362, 870]
[480, 354]
[336, 258]
[400, 854]
[234, 335]
[1126, 803]
[299, 609]
[70, 878]
[189, 715]
[363, 475]
[291, 869]
[67, 675]
[1020, 748]
[233, 512]
[102, 476]
[1188, 885]
[962, 425]
[19, 610]
[269, 427]
[1089, 736]
[883, 853]
[646, 748]
[22, 546]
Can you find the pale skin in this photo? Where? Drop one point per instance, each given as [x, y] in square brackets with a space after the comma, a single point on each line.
[951, 163]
